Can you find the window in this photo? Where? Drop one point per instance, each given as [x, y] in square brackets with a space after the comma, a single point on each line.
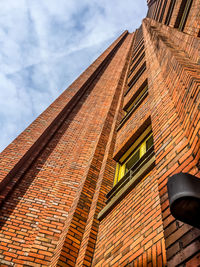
[155, 10]
[134, 103]
[136, 64]
[183, 14]
[135, 155]
[163, 11]
[138, 98]
[170, 11]
[136, 77]
[158, 11]
[132, 166]
[137, 53]
[138, 37]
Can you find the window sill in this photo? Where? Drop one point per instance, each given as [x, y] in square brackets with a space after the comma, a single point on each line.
[126, 184]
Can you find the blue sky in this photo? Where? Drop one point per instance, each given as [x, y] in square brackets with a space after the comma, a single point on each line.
[46, 44]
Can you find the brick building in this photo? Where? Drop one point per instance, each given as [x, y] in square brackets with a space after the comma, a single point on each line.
[86, 183]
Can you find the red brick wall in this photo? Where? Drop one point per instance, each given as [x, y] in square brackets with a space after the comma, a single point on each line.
[22, 150]
[53, 182]
[135, 88]
[132, 233]
[132, 125]
[55, 176]
[96, 170]
[192, 26]
[175, 121]
[136, 229]
[193, 22]
[133, 230]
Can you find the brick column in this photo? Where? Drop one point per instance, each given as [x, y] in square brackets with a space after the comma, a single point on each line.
[49, 173]
[173, 81]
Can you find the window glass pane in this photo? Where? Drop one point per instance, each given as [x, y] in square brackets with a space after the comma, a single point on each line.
[149, 142]
[143, 149]
[116, 173]
[135, 157]
[121, 171]
[134, 154]
[135, 145]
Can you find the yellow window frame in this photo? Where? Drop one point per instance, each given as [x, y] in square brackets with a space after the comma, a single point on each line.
[139, 144]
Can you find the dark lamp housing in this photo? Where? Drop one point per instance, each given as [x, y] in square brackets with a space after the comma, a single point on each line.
[184, 198]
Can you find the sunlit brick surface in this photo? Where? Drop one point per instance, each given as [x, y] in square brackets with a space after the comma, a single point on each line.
[55, 176]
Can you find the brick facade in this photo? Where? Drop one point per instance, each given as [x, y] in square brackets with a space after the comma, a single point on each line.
[55, 176]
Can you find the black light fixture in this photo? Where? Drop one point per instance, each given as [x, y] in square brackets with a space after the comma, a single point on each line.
[184, 198]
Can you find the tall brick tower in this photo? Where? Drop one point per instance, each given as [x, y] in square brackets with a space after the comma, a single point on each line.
[86, 183]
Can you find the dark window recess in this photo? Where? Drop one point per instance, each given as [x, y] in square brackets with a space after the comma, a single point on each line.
[154, 11]
[137, 52]
[137, 46]
[136, 77]
[183, 14]
[138, 37]
[138, 98]
[136, 64]
[170, 11]
[158, 13]
[163, 11]
[132, 161]
[149, 143]
[151, 9]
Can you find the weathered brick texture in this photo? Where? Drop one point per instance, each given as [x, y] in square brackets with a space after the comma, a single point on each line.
[174, 78]
[50, 200]
[55, 176]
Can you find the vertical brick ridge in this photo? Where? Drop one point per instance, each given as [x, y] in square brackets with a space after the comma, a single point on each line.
[91, 179]
[134, 40]
[172, 143]
[132, 233]
[19, 155]
[106, 175]
[48, 209]
[183, 72]
[163, 123]
[39, 236]
[129, 59]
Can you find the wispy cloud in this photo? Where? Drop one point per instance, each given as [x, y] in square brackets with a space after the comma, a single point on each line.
[45, 45]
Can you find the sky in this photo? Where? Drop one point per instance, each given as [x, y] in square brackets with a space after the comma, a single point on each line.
[46, 44]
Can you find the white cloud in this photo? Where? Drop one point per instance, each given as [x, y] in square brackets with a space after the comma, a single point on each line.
[46, 44]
